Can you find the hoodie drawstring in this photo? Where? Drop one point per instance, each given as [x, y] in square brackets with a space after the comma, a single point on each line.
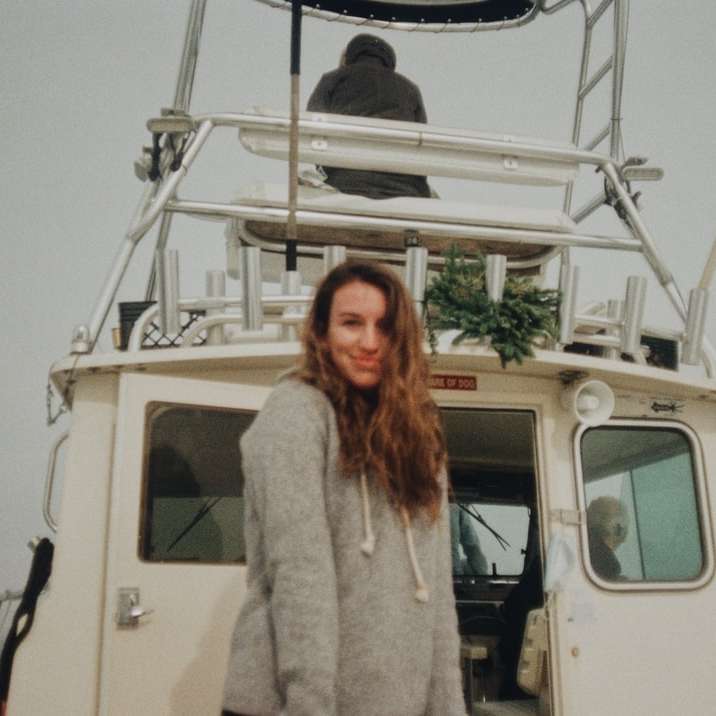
[368, 544]
[421, 592]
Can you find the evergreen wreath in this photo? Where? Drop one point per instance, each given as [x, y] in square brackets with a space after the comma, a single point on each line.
[457, 299]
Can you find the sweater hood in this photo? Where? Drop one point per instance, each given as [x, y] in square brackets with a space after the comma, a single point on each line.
[365, 45]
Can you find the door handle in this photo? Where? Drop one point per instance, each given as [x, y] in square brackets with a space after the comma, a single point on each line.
[129, 609]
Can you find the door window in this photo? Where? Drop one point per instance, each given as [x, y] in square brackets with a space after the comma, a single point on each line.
[641, 503]
[193, 507]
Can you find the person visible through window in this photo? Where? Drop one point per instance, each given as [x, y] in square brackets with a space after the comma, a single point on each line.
[607, 524]
[467, 556]
[367, 85]
[349, 608]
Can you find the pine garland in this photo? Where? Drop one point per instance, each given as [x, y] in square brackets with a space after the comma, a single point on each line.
[457, 299]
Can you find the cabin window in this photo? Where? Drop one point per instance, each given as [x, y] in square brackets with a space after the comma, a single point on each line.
[193, 508]
[641, 500]
[487, 539]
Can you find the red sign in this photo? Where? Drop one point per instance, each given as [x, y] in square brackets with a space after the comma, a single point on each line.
[448, 381]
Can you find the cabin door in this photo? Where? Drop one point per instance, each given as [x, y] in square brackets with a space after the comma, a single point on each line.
[636, 614]
[174, 578]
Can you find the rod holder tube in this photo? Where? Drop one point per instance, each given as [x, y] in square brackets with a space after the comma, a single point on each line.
[615, 311]
[568, 284]
[416, 273]
[251, 308]
[215, 288]
[633, 314]
[291, 285]
[167, 263]
[693, 344]
[333, 256]
[495, 274]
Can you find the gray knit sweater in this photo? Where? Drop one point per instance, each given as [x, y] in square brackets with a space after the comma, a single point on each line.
[327, 629]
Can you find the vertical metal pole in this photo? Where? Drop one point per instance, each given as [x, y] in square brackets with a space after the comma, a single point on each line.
[251, 308]
[167, 263]
[579, 109]
[568, 283]
[291, 283]
[695, 326]
[633, 314]
[333, 256]
[495, 274]
[190, 55]
[182, 100]
[615, 310]
[621, 20]
[416, 274]
[291, 229]
[215, 288]
[161, 246]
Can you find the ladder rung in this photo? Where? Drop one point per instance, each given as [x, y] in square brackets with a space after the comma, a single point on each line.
[599, 138]
[596, 77]
[594, 17]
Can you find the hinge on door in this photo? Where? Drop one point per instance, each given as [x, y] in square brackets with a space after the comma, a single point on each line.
[567, 517]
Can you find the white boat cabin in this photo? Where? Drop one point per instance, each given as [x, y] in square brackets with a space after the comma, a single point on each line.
[582, 478]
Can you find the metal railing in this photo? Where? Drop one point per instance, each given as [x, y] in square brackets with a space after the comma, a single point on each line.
[160, 198]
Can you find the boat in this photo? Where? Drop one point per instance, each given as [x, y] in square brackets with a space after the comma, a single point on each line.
[607, 412]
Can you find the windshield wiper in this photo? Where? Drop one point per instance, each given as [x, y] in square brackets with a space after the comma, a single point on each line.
[198, 517]
[477, 516]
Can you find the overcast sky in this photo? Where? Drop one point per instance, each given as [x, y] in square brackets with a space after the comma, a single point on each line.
[79, 79]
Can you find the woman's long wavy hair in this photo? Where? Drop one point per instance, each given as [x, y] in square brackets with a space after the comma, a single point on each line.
[393, 431]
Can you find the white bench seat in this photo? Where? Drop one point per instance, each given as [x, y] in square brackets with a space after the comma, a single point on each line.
[409, 148]
[431, 219]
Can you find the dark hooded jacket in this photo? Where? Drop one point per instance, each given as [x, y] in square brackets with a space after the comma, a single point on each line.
[602, 557]
[367, 85]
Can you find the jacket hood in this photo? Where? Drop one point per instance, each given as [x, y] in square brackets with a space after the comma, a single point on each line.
[370, 46]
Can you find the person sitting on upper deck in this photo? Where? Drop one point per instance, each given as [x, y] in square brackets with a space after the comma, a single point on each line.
[367, 85]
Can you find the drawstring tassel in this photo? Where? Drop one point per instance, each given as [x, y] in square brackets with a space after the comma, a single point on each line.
[368, 544]
[421, 592]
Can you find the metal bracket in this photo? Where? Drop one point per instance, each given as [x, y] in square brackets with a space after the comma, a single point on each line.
[568, 517]
[172, 121]
[572, 376]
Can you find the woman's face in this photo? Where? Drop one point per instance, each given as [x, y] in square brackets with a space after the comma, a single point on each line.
[356, 334]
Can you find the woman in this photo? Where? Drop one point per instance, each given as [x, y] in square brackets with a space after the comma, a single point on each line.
[349, 609]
